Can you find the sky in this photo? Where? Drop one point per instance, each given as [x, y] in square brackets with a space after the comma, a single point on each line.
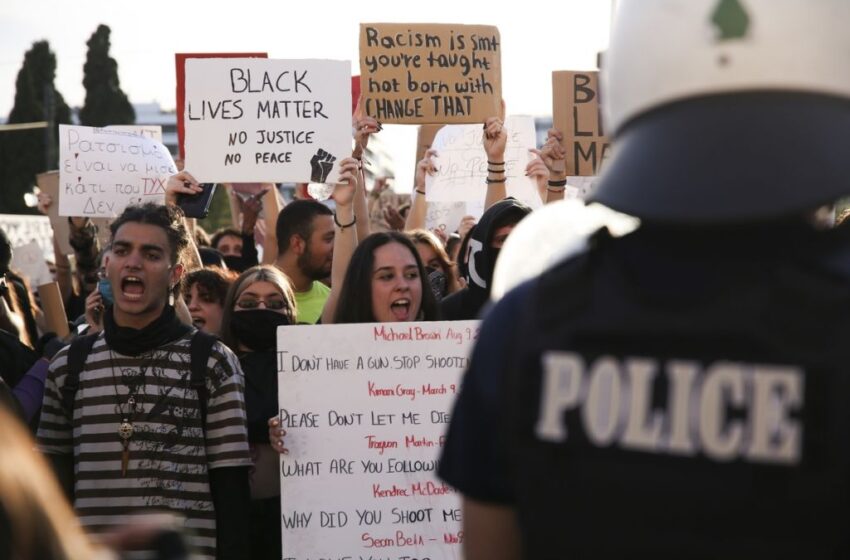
[537, 38]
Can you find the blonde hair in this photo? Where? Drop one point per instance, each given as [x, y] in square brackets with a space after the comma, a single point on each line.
[35, 519]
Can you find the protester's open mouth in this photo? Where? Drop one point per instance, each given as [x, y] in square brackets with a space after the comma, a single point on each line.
[401, 309]
[132, 287]
[199, 322]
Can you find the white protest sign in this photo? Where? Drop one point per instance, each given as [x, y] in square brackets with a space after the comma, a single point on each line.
[21, 229]
[462, 163]
[265, 120]
[29, 260]
[448, 215]
[102, 171]
[365, 408]
[580, 187]
[151, 131]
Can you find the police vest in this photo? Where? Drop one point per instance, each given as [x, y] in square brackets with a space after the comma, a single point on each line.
[685, 395]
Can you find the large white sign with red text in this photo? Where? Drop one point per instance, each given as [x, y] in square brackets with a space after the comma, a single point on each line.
[366, 407]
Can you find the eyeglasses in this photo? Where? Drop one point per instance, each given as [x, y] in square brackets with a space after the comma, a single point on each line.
[274, 303]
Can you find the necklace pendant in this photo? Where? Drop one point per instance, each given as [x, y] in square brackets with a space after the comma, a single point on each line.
[125, 430]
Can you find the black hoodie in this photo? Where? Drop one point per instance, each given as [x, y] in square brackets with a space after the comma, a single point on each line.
[468, 302]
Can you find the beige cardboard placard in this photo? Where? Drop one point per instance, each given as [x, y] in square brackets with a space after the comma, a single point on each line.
[54, 310]
[430, 73]
[575, 112]
[48, 182]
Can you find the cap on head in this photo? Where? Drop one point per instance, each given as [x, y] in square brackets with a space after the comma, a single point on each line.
[726, 110]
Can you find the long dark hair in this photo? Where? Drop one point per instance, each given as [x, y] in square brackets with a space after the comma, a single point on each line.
[355, 299]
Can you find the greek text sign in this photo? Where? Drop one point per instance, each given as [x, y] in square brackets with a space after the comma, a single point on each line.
[101, 171]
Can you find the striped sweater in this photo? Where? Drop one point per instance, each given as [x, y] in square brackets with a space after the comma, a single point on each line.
[169, 457]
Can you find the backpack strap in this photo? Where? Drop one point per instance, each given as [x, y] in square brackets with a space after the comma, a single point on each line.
[78, 353]
[199, 352]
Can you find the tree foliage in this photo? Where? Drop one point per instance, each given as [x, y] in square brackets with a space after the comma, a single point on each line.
[105, 102]
[25, 153]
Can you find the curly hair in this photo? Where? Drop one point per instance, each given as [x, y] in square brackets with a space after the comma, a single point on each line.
[169, 218]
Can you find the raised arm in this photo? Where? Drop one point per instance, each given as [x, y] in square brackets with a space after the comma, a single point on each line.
[345, 238]
[416, 217]
[63, 265]
[554, 157]
[364, 127]
[271, 208]
[184, 183]
[495, 140]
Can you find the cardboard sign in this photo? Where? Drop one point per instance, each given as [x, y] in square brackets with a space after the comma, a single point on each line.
[430, 73]
[180, 67]
[575, 112]
[365, 408]
[462, 163]
[54, 309]
[29, 260]
[255, 120]
[21, 229]
[102, 171]
[580, 187]
[48, 182]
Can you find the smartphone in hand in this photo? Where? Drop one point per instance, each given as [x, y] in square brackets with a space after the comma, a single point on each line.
[197, 205]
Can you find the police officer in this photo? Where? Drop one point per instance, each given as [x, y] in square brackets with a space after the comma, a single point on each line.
[681, 392]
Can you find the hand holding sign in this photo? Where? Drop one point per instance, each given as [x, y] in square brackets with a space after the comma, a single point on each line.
[553, 154]
[495, 139]
[349, 171]
[425, 167]
[364, 126]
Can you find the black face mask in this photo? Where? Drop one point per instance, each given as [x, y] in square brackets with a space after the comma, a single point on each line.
[234, 263]
[437, 280]
[257, 328]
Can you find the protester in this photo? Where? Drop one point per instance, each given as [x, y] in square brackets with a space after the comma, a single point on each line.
[305, 237]
[83, 239]
[485, 241]
[35, 519]
[227, 241]
[237, 246]
[680, 392]
[19, 314]
[260, 300]
[167, 385]
[433, 255]
[204, 292]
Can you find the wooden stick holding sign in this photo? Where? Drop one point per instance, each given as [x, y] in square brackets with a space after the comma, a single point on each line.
[54, 310]
[272, 206]
[575, 112]
[48, 182]
[430, 73]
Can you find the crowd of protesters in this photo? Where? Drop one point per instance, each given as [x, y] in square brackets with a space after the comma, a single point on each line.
[135, 300]
[163, 399]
